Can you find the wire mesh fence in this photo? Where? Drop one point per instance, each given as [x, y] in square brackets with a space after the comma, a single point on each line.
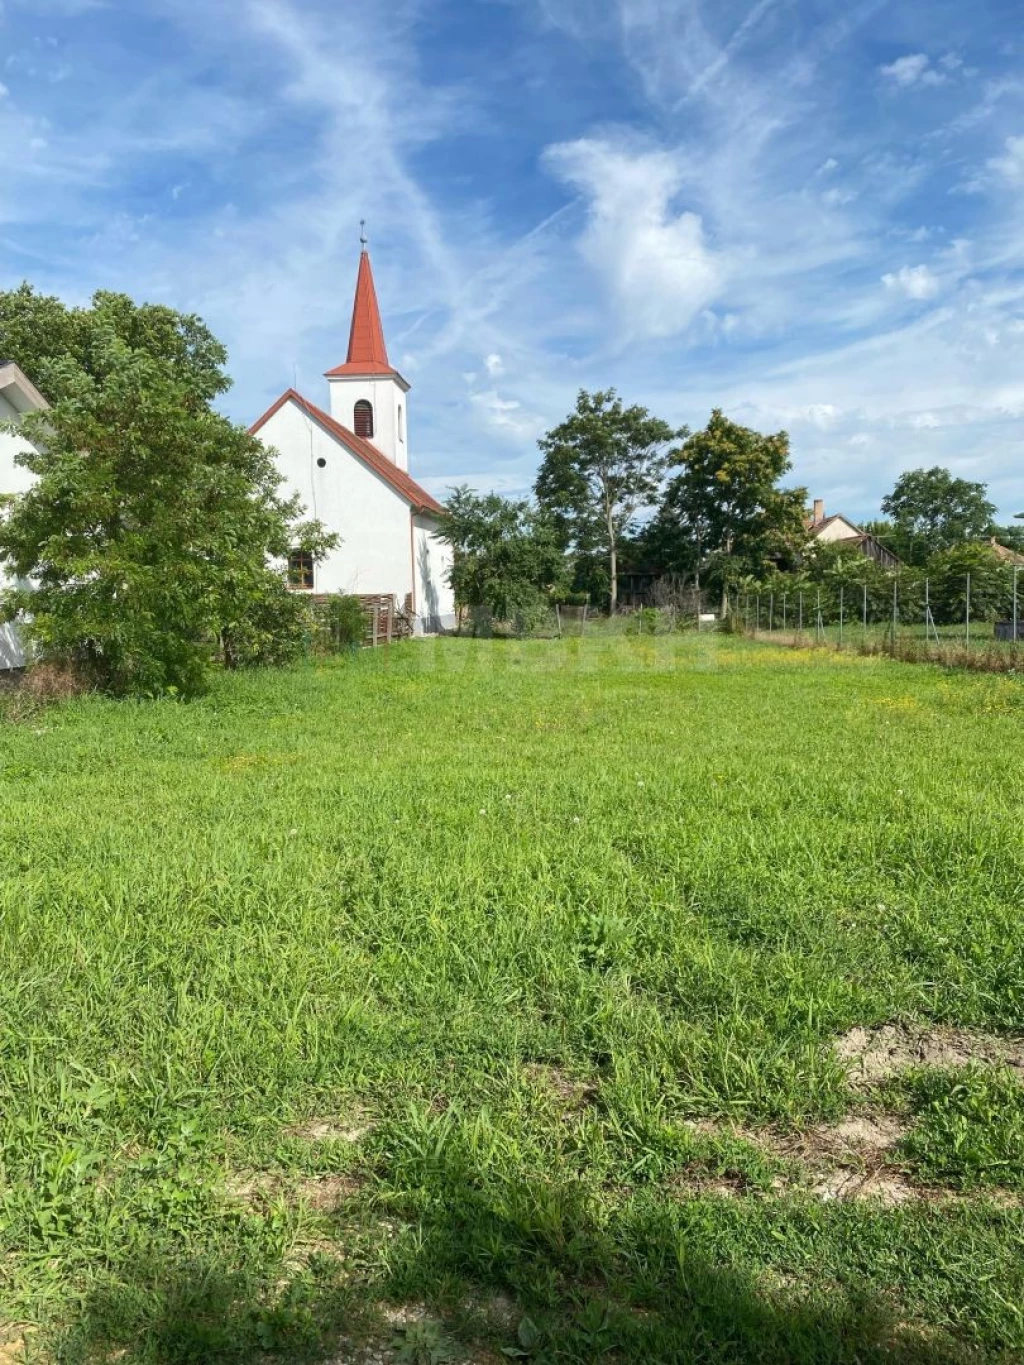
[908, 617]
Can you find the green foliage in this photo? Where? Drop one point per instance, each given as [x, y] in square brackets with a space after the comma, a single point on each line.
[932, 511]
[970, 1127]
[602, 466]
[724, 515]
[991, 584]
[345, 619]
[143, 542]
[507, 558]
[54, 344]
[422, 1342]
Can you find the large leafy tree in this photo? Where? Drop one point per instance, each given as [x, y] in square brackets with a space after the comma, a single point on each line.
[146, 538]
[931, 510]
[724, 513]
[602, 466]
[53, 343]
[507, 556]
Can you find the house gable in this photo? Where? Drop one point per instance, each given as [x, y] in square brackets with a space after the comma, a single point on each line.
[362, 450]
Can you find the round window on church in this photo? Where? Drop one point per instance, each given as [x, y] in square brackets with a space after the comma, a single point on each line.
[363, 418]
[321, 463]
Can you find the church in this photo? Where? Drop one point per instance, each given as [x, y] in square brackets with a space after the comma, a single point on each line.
[350, 467]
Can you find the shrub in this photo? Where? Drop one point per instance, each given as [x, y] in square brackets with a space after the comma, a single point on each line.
[345, 620]
[277, 628]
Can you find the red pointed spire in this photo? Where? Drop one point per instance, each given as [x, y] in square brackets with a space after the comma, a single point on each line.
[367, 353]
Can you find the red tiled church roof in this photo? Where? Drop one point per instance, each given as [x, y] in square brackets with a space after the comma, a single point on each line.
[404, 485]
[367, 353]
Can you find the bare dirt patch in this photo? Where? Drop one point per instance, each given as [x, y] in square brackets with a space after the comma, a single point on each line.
[324, 1193]
[352, 1127]
[873, 1055]
[573, 1094]
[858, 1139]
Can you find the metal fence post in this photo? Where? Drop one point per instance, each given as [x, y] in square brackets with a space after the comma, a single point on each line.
[784, 597]
[840, 615]
[771, 612]
[757, 622]
[968, 611]
[865, 610]
[895, 610]
[1016, 570]
[800, 618]
[819, 625]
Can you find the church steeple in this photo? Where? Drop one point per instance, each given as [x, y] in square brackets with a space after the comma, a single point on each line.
[367, 351]
[366, 391]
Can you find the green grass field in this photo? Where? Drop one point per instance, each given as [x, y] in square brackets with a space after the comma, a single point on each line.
[486, 999]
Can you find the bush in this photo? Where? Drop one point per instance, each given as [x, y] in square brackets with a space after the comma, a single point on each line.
[277, 629]
[344, 619]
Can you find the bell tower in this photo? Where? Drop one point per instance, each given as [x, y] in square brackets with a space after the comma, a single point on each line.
[367, 395]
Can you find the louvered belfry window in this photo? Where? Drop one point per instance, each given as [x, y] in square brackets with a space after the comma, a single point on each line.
[364, 419]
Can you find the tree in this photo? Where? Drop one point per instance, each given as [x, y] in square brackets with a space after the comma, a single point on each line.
[506, 554]
[42, 335]
[724, 511]
[601, 467]
[991, 590]
[148, 531]
[931, 511]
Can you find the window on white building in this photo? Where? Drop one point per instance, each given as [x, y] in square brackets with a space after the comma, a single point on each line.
[300, 569]
[401, 424]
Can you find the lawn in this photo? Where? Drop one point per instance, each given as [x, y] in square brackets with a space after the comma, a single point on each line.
[618, 998]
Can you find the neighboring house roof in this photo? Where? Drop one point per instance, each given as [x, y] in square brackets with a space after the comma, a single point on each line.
[822, 524]
[403, 484]
[1004, 553]
[840, 530]
[19, 390]
[367, 352]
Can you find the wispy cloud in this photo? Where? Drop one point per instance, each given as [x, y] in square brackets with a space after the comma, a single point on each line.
[699, 203]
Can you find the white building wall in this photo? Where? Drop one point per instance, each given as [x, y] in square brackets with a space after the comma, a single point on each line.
[435, 602]
[375, 555]
[387, 397]
[14, 478]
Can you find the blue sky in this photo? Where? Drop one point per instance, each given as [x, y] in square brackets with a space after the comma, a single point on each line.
[806, 212]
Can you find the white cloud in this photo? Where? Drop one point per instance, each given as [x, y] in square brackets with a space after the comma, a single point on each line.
[828, 166]
[506, 415]
[1011, 164]
[494, 365]
[4, 92]
[655, 262]
[914, 69]
[915, 281]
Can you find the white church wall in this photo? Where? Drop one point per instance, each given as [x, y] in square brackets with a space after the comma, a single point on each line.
[435, 602]
[390, 418]
[375, 555]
